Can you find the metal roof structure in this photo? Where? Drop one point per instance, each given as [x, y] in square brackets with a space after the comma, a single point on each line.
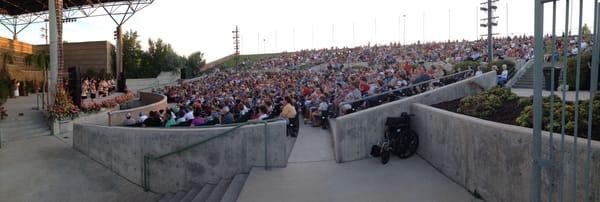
[16, 15]
[20, 7]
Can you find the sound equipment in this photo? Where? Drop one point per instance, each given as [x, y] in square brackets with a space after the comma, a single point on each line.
[121, 82]
[74, 84]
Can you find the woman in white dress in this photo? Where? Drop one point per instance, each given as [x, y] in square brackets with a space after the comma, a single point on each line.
[17, 84]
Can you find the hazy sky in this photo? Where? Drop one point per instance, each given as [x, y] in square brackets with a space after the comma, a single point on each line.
[280, 25]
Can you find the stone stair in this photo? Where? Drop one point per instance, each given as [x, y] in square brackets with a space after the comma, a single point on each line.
[526, 81]
[22, 122]
[227, 190]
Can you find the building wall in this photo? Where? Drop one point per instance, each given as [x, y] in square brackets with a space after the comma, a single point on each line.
[95, 55]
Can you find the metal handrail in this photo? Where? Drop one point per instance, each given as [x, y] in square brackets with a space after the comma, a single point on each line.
[402, 88]
[148, 158]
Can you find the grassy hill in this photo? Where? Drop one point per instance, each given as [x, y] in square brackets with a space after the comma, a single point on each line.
[253, 58]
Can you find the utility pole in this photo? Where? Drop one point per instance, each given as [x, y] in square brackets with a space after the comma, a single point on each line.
[404, 31]
[423, 27]
[449, 25]
[507, 33]
[332, 35]
[44, 31]
[236, 47]
[489, 7]
[353, 35]
[313, 37]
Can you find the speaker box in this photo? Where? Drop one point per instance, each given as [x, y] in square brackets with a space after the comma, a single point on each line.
[75, 85]
[121, 82]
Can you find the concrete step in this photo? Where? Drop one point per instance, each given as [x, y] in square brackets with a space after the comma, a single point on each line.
[23, 128]
[166, 197]
[22, 121]
[8, 137]
[178, 196]
[204, 193]
[189, 196]
[234, 189]
[219, 190]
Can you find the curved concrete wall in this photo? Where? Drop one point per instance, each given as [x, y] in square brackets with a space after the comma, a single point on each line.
[122, 149]
[354, 134]
[152, 102]
[494, 159]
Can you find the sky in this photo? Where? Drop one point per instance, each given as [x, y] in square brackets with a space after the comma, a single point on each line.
[268, 26]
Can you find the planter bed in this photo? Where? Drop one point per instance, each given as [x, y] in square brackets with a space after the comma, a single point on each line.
[508, 113]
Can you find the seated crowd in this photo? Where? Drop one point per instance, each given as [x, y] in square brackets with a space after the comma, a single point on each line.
[269, 88]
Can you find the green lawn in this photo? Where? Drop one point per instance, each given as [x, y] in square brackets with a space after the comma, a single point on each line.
[231, 63]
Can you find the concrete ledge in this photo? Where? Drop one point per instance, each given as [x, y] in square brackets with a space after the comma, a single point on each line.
[153, 102]
[122, 149]
[495, 160]
[354, 134]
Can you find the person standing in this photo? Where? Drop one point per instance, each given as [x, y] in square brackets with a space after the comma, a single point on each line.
[16, 90]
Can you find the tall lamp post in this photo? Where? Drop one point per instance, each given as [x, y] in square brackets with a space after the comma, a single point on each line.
[404, 31]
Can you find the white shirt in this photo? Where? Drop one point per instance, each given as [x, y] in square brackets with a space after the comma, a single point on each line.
[189, 116]
[143, 118]
[504, 74]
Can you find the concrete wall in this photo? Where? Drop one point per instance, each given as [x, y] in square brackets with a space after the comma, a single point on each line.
[153, 102]
[121, 149]
[354, 134]
[494, 159]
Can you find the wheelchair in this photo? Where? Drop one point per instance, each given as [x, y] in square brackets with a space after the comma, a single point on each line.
[399, 139]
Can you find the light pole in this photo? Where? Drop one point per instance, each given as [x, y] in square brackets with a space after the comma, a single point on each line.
[404, 31]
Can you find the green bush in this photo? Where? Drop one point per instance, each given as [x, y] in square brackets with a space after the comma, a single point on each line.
[584, 77]
[5, 86]
[486, 103]
[461, 66]
[29, 87]
[526, 117]
[477, 106]
[527, 101]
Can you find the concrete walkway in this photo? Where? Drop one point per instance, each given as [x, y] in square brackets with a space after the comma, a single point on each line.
[524, 92]
[312, 144]
[313, 175]
[44, 168]
[365, 180]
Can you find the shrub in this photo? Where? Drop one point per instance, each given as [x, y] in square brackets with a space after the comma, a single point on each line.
[461, 66]
[526, 117]
[5, 88]
[586, 60]
[486, 103]
[91, 107]
[477, 106]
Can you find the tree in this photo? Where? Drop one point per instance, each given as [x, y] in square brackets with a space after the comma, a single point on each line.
[42, 61]
[586, 31]
[132, 50]
[196, 61]
[7, 58]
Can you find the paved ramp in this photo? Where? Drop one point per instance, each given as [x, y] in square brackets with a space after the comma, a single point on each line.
[313, 175]
[37, 167]
[312, 144]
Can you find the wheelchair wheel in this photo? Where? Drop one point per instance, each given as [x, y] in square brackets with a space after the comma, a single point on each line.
[376, 151]
[385, 156]
[406, 145]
